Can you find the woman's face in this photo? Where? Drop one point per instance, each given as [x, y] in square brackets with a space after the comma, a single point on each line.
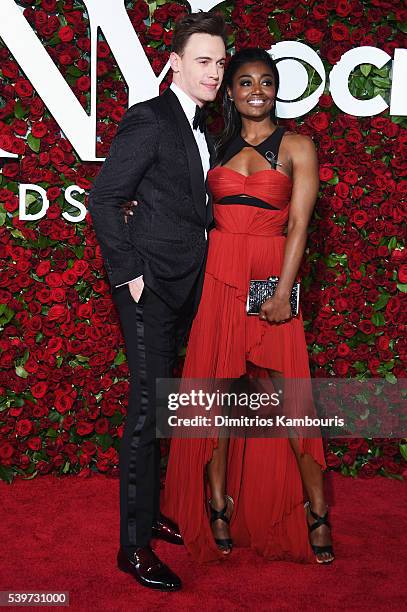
[253, 90]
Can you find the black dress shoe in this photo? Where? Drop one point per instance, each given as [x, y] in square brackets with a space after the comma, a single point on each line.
[147, 569]
[166, 530]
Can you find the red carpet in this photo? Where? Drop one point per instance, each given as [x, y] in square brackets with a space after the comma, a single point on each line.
[62, 534]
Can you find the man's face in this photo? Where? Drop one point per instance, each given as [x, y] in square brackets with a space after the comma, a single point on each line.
[199, 70]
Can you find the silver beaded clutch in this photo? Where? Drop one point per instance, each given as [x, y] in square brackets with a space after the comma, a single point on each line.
[262, 290]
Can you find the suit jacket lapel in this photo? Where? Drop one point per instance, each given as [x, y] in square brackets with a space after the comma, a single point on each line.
[192, 152]
[211, 149]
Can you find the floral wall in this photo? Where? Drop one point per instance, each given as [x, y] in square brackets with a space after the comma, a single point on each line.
[63, 372]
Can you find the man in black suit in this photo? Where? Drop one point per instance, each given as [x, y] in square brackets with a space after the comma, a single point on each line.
[159, 158]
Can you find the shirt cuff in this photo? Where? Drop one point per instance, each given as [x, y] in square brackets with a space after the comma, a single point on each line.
[130, 281]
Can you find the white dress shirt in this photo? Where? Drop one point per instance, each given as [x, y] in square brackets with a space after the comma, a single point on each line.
[189, 106]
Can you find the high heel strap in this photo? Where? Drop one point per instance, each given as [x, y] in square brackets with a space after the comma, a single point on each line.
[220, 514]
[319, 520]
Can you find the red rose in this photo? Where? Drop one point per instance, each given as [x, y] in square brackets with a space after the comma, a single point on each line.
[366, 327]
[368, 470]
[85, 311]
[339, 31]
[63, 403]
[313, 36]
[319, 121]
[10, 70]
[319, 12]
[39, 389]
[393, 308]
[34, 443]
[23, 427]
[49, 5]
[66, 34]
[24, 88]
[43, 268]
[80, 267]
[325, 173]
[84, 428]
[53, 193]
[155, 31]
[391, 466]
[342, 190]
[58, 313]
[402, 273]
[54, 279]
[39, 129]
[348, 458]
[333, 460]
[101, 426]
[351, 177]
[6, 451]
[58, 294]
[69, 277]
[343, 8]
[343, 349]
[341, 367]
[359, 218]
[167, 38]
[83, 83]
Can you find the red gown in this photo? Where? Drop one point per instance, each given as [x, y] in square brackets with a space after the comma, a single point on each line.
[262, 473]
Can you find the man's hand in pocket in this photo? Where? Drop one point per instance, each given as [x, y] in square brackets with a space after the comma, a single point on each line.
[136, 287]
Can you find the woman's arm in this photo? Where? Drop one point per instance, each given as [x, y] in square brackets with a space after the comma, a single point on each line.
[305, 189]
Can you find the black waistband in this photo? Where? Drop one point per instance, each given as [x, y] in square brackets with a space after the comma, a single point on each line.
[245, 200]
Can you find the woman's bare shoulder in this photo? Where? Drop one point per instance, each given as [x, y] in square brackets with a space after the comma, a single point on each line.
[297, 144]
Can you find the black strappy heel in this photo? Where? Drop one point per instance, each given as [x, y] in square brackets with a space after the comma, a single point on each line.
[225, 544]
[319, 521]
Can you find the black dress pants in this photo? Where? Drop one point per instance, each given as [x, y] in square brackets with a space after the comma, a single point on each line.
[153, 334]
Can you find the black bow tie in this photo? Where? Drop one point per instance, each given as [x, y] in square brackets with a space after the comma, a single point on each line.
[199, 118]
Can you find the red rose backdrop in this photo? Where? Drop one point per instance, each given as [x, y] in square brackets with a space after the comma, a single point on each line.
[63, 379]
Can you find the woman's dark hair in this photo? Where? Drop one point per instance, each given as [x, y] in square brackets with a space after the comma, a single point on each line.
[233, 122]
[197, 23]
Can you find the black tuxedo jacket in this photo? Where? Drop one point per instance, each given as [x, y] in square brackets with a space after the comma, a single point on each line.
[155, 160]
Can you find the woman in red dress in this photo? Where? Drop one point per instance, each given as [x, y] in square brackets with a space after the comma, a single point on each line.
[249, 491]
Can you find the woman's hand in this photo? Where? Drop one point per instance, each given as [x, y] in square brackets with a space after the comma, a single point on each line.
[275, 310]
[128, 208]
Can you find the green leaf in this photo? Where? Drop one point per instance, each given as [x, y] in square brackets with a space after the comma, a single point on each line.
[120, 358]
[378, 319]
[381, 82]
[403, 450]
[19, 112]
[6, 474]
[402, 287]
[391, 378]
[403, 26]
[3, 217]
[104, 440]
[74, 71]
[54, 416]
[117, 418]
[51, 433]
[65, 469]
[399, 120]
[21, 372]
[381, 302]
[365, 69]
[30, 198]
[33, 143]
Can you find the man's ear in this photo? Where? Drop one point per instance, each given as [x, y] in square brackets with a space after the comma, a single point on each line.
[229, 92]
[174, 61]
